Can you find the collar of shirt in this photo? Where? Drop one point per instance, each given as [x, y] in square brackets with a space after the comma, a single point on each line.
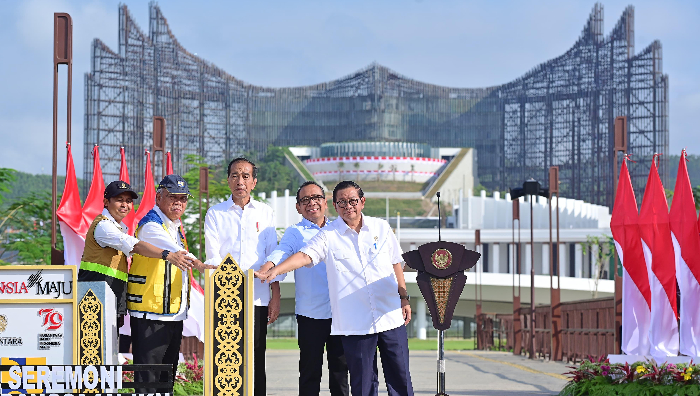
[122, 227]
[343, 226]
[306, 223]
[169, 224]
[251, 204]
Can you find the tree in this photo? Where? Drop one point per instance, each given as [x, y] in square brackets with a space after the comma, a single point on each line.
[605, 249]
[379, 168]
[393, 170]
[7, 176]
[26, 228]
[357, 171]
[413, 167]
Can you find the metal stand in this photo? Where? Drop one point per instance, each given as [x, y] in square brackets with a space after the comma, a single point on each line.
[441, 364]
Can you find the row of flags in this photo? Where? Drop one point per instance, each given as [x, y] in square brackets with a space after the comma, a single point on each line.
[660, 254]
[75, 219]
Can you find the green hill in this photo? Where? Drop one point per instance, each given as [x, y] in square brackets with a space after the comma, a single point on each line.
[26, 183]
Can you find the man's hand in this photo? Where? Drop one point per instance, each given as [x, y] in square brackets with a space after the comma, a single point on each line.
[273, 309]
[200, 266]
[268, 276]
[406, 310]
[180, 260]
[265, 267]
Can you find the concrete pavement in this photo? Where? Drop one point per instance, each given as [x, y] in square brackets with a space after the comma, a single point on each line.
[467, 373]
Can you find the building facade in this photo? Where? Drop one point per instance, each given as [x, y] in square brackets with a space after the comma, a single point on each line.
[559, 113]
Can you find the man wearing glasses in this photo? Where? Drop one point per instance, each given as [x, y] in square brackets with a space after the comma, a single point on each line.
[313, 306]
[369, 303]
[245, 228]
[158, 289]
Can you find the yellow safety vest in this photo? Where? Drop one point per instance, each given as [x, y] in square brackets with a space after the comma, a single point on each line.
[154, 281]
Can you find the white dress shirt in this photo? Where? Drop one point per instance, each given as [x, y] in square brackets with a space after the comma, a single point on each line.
[154, 234]
[310, 284]
[247, 233]
[109, 233]
[361, 280]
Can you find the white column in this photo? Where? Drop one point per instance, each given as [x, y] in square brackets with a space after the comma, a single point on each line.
[412, 246]
[563, 260]
[460, 222]
[398, 227]
[545, 259]
[495, 258]
[511, 261]
[421, 331]
[578, 264]
[528, 258]
[273, 204]
[286, 208]
[594, 267]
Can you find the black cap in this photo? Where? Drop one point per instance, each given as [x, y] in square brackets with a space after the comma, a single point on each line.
[119, 187]
[175, 184]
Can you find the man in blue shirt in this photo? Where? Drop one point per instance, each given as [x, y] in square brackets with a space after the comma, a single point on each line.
[313, 307]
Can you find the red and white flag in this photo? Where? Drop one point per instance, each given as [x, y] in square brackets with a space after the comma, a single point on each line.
[659, 256]
[686, 243]
[130, 219]
[70, 216]
[94, 203]
[169, 164]
[636, 295]
[148, 200]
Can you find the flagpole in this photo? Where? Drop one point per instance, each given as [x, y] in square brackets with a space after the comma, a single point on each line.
[620, 137]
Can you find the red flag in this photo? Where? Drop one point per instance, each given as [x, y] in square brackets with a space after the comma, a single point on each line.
[130, 219]
[169, 165]
[123, 171]
[94, 203]
[659, 255]
[686, 242]
[70, 211]
[70, 216]
[148, 200]
[636, 294]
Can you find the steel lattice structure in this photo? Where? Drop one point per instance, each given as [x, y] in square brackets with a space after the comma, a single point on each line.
[560, 113]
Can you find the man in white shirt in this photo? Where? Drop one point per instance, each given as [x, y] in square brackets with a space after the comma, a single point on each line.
[245, 228]
[108, 244]
[369, 302]
[313, 306]
[158, 292]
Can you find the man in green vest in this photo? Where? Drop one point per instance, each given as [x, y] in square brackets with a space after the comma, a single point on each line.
[108, 244]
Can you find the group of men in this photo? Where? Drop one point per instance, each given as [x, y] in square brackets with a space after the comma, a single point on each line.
[350, 292]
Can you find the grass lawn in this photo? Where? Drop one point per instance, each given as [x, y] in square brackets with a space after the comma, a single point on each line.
[413, 344]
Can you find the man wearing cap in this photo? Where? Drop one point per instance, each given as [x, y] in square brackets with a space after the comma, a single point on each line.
[245, 228]
[108, 244]
[158, 289]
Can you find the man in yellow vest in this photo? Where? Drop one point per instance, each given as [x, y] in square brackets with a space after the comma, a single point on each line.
[108, 244]
[158, 291]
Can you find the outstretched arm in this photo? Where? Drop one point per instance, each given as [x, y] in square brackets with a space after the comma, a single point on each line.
[297, 260]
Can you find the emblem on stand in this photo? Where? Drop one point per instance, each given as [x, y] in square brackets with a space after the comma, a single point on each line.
[441, 259]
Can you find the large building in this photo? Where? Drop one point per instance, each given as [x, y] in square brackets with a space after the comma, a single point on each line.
[561, 112]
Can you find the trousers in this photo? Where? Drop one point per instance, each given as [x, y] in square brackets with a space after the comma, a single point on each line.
[314, 335]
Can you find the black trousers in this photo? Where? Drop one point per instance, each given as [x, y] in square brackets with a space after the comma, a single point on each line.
[361, 354]
[155, 342]
[259, 347]
[314, 335]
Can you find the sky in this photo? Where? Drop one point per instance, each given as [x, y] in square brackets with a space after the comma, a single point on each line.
[467, 44]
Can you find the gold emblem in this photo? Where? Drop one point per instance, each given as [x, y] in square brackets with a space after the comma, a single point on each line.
[180, 183]
[3, 323]
[123, 186]
[441, 259]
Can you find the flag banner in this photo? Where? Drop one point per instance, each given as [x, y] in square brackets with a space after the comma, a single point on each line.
[94, 203]
[686, 243]
[169, 164]
[636, 294]
[70, 216]
[148, 200]
[659, 256]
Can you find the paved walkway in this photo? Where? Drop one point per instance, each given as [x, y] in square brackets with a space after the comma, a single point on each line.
[467, 373]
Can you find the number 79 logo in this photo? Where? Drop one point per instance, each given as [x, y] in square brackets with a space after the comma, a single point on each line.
[53, 320]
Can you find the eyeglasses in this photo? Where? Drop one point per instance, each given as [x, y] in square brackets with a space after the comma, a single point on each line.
[352, 202]
[179, 197]
[315, 198]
